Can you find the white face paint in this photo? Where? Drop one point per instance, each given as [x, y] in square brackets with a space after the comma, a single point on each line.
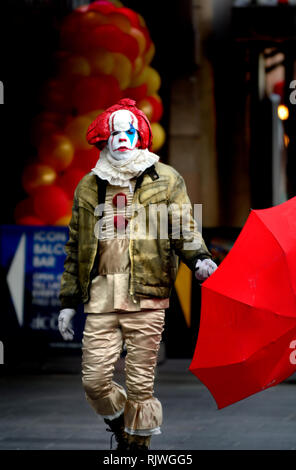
[123, 139]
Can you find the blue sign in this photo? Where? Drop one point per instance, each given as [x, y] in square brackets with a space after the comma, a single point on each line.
[32, 259]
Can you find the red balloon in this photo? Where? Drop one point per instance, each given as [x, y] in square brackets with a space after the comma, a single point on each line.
[85, 160]
[42, 129]
[147, 37]
[114, 91]
[51, 203]
[69, 180]
[36, 175]
[97, 92]
[136, 93]
[56, 151]
[24, 208]
[131, 15]
[112, 39]
[55, 96]
[30, 220]
[157, 108]
[103, 7]
[69, 28]
[49, 116]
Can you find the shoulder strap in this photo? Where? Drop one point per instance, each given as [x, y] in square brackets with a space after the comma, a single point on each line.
[151, 171]
[101, 185]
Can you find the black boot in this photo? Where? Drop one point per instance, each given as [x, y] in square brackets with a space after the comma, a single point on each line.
[138, 444]
[116, 426]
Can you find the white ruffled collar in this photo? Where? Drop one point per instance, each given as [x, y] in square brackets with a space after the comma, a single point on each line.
[119, 172]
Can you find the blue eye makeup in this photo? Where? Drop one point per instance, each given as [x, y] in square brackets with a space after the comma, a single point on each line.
[131, 133]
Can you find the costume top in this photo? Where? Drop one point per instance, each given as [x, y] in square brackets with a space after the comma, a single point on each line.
[109, 289]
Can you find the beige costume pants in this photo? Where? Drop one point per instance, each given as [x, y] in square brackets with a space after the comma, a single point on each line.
[102, 342]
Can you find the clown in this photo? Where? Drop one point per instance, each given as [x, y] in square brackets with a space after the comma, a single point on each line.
[125, 281]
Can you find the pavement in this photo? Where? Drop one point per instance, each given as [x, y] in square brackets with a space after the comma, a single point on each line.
[47, 410]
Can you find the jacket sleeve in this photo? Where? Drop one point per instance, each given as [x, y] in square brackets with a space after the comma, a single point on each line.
[185, 239]
[70, 294]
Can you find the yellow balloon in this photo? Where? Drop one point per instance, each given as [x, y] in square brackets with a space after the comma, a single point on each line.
[122, 70]
[159, 136]
[92, 19]
[121, 21]
[102, 62]
[56, 150]
[146, 107]
[139, 79]
[65, 220]
[142, 21]
[76, 131]
[75, 65]
[153, 81]
[138, 66]
[139, 36]
[93, 114]
[149, 76]
[149, 54]
[36, 175]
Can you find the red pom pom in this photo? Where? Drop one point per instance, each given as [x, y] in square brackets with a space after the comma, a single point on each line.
[120, 222]
[119, 200]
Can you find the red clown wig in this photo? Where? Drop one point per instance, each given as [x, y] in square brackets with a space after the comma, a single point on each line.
[98, 132]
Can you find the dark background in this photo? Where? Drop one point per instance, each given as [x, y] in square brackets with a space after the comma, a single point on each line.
[29, 36]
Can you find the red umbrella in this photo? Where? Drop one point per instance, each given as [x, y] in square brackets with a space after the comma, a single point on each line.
[248, 315]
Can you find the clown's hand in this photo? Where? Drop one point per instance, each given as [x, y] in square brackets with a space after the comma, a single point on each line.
[65, 325]
[204, 268]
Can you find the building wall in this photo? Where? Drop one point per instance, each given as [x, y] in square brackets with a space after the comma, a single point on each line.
[209, 127]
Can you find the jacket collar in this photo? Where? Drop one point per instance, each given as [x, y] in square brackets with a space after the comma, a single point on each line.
[102, 184]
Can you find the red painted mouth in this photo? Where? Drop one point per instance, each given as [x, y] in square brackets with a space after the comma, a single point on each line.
[122, 149]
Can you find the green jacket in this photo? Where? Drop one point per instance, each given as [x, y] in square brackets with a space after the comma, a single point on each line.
[154, 262]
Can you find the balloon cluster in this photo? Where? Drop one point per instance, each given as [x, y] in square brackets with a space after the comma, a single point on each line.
[104, 55]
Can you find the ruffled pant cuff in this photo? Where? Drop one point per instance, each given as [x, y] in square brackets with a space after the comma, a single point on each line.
[143, 418]
[111, 405]
[143, 432]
